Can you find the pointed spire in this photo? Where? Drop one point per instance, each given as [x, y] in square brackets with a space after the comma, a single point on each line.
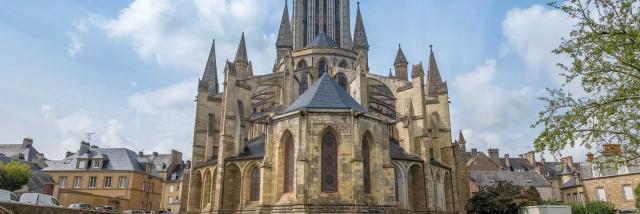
[434, 80]
[461, 138]
[390, 74]
[285, 36]
[417, 71]
[360, 36]
[400, 58]
[241, 54]
[209, 80]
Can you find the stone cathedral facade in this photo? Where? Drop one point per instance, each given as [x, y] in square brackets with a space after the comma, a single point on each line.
[320, 133]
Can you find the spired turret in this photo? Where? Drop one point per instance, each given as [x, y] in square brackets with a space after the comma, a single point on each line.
[241, 62]
[401, 64]
[434, 81]
[209, 81]
[284, 43]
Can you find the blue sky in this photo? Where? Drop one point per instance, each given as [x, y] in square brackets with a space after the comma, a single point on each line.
[127, 70]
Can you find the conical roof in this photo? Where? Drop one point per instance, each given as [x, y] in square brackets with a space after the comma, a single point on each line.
[434, 80]
[400, 58]
[322, 40]
[325, 94]
[360, 36]
[241, 54]
[210, 76]
[285, 36]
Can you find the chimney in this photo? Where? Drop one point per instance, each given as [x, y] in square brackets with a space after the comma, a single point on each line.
[84, 147]
[40, 160]
[507, 162]
[27, 142]
[494, 155]
[140, 154]
[188, 166]
[531, 157]
[155, 154]
[474, 152]
[589, 156]
[69, 153]
[567, 160]
[611, 149]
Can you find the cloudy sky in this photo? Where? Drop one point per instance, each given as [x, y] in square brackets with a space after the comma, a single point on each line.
[128, 70]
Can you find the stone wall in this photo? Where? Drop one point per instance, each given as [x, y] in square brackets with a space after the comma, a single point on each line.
[17, 208]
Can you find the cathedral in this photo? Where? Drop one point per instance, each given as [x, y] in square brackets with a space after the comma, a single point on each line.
[321, 133]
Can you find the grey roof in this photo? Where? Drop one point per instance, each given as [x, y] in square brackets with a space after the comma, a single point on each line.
[485, 178]
[322, 40]
[325, 93]
[241, 54]
[518, 163]
[14, 150]
[359, 35]
[37, 180]
[285, 36]
[253, 150]
[397, 152]
[118, 159]
[32, 166]
[178, 173]
[400, 58]
[158, 160]
[573, 182]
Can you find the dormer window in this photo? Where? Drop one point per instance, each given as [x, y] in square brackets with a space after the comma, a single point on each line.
[97, 164]
[82, 164]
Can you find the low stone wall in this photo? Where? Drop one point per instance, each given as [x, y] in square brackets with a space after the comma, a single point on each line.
[17, 208]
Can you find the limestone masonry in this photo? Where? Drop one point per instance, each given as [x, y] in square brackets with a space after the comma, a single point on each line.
[320, 133]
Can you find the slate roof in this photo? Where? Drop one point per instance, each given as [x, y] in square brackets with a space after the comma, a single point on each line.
[32, 166]
[326, 94]
[573, 182]
[118, 159]
[37, 180]
[397, 152]
[253, 150]
[322, 40]
[518, 163]
[13, 150]
[485, 178]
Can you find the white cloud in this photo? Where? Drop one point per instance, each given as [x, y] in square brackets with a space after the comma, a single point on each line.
[173, 98]
[76, 45]
[532, 34]
[178, 33]
[113, 135]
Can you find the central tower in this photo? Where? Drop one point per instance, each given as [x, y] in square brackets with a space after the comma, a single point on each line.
[311, 17]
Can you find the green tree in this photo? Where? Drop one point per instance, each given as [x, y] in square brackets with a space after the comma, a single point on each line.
[13, 175]
[533, 196]
[603, 49]
[501, 198]
[593, 207]
[638, 196]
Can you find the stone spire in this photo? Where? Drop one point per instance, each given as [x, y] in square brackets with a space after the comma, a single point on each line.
[461, 138]
[209, 81]
[285, 36]
[417, 71]
[241, 54]
[434, 81]
[360, 36]
[400, 64]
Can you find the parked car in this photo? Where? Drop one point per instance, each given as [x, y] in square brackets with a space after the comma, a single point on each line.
[39, 199]
[8, 196]
[105, 208]
[81, 206]
[133, 212]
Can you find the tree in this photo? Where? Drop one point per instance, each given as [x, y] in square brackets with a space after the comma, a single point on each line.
[603, 49]
[638, 196]
[501, 198]
[533, 196]
[13, 175]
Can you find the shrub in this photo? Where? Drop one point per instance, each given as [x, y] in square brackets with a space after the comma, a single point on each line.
[593, 207]
[13, 175]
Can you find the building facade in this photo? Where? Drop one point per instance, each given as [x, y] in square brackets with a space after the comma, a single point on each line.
[115, 177]
[611, 184]
[321, 133]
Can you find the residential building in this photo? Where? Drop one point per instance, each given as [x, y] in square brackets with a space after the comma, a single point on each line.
[478, 179]
[25, 153]
[115, 177]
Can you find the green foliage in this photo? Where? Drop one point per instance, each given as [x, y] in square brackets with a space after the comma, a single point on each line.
[603, 52]
[638, 197]
[501, 198]
[593, 207]
[13, 175]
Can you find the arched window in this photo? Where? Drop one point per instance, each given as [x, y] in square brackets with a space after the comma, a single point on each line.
[288, 164]
[303, 83]
[343, 64]
[322, 68]
[255, 184]
[342, 80]
[396, 183]
[366, 171]
[329, 168]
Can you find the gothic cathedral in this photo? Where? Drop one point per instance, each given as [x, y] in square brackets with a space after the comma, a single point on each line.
[321, 133]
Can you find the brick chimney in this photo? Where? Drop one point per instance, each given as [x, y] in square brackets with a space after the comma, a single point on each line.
[474, 152]
[69, 153]
[531, 157]
[611, 149]
[84, 147]
[27, 142]
[494, 155]
[507, 163]
[589, 156]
